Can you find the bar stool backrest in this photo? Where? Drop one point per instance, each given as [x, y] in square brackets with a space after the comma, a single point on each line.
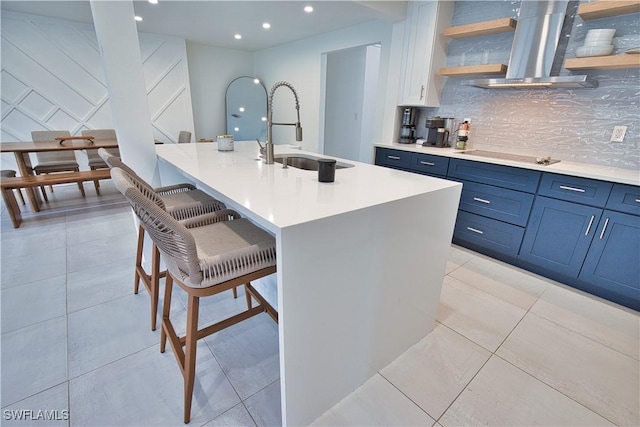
[115, 162]
[173, 239]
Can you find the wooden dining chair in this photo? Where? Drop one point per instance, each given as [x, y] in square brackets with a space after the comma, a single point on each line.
[184, 136]
[95, 161]
[204, 256]
[54, 161]
[181, 201]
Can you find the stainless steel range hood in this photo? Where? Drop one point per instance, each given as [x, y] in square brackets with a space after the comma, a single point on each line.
[538, 49]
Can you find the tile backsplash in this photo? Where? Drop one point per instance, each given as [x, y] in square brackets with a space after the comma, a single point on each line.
[568, 124]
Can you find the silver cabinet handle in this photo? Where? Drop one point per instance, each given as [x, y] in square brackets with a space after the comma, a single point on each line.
[475, 230]
[427, 163]
[393, 157]
[421, 91]
[638, 200]
[477, 199]
[579, 190]
[606, 222]
[586, 233]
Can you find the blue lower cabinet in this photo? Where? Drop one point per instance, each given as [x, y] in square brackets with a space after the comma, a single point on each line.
[396, 159]
[497, 203]
[624, 198]
[431, 165]
[488, 233]
[613, 261]
[559, 234]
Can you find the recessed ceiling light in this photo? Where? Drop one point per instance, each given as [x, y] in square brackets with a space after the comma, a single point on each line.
[138, 18]
[241, 109]
[264, 119]
[238, 36]
[266, 25]
[256, 81]
[153, 1]
[236, 129]
[308, 9]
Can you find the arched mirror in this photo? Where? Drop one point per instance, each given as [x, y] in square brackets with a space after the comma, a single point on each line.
[246, 102]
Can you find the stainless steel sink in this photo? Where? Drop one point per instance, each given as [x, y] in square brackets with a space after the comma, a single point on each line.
[305, 162]
[518, 158]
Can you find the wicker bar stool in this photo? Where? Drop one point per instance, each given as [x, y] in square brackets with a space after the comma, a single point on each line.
[204, 256]
[182, 201]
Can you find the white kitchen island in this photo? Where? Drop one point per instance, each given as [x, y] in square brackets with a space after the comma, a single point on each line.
[360, 261]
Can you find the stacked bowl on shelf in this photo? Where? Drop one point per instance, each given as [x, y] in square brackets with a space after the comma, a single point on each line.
[597, 43]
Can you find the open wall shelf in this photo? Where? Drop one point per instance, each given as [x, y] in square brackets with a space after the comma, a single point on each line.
[610, 62]
[607, 8]
[496, 26]
[473, 70]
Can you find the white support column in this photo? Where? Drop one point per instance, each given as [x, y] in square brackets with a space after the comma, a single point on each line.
[117, 36]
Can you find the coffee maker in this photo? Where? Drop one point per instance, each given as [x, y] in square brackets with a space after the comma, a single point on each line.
[437, 133]
[408, 128]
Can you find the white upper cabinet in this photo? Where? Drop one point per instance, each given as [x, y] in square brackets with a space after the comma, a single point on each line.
[424, 52]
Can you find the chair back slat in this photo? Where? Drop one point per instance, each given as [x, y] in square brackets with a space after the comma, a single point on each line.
[48, 156]
[93, 155]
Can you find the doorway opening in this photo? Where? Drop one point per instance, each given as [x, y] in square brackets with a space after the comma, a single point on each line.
[348, 102]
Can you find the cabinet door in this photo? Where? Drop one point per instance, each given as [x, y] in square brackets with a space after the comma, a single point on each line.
[613, 261]
[487, 233]
[559, 235]
[497, 203]
[424, 52]
[396, 159]
[429, 164]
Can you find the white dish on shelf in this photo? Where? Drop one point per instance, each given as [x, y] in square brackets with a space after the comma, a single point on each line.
[585, 51]
[601, 32]
[633, 50]
[598, 43]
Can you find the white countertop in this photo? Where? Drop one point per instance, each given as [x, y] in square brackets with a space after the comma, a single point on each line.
[584, 170]
[286, 197]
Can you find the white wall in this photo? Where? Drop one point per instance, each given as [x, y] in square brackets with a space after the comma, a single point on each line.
[52, 78]
[299, 63]
[211, 69]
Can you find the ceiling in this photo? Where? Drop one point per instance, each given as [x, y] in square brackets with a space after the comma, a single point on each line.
[215, 23]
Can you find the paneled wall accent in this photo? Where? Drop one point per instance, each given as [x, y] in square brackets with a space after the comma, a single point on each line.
[572, 125]
[52, 78]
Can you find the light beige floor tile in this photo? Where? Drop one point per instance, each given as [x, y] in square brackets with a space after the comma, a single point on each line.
[264, 406]
[609, 324]
[501, 280]
[32, 303]
[49, 408]
[457, 257]
[598, 377]
[33, 359]
[146, 388]
[433, 372]
[234, 417]
[503, 395]
[375, 403]
[477, 315]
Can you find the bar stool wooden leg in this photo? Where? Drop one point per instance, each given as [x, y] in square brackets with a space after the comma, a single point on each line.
[190, 353]
[139, 269]
[247, 295]
[166, 309]
[155, 285]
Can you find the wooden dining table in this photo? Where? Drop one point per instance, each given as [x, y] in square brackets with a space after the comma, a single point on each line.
[22, 149]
